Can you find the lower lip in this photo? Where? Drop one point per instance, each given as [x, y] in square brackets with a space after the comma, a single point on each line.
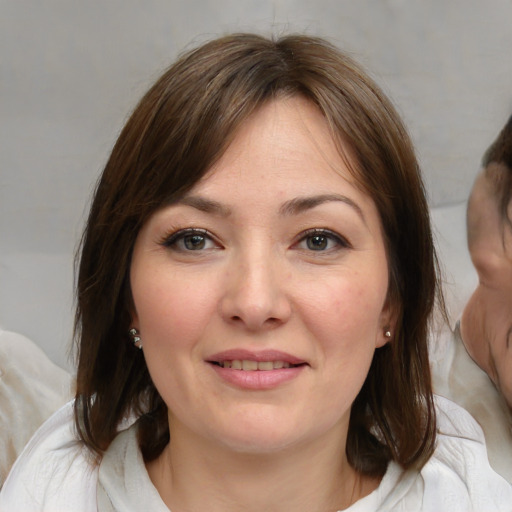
[258, 379]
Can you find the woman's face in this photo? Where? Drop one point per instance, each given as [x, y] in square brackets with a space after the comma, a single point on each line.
[261, 295]
[486, 325]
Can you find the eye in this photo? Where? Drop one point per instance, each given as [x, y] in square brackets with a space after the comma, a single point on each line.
[320, 240]
[190, 239]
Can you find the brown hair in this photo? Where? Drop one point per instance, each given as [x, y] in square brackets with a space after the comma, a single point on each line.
[178, 130]
[500, 153]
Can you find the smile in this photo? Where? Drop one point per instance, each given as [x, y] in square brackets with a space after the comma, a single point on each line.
[251, 366]
[257, 370]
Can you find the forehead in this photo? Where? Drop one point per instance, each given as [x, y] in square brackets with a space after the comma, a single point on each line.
[286, 138]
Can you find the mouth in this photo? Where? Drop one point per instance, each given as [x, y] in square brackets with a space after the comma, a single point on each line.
[253, 361]
[256, 370]
[251, 365]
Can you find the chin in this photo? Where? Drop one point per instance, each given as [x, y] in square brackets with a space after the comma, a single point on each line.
[259, 445]
[260, 437]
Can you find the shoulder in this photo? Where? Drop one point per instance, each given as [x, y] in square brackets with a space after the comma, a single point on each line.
[31, 389]
[25, 363]
[458, 476]
[54, 472]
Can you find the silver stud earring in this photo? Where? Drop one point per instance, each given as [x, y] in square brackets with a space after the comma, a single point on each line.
[387, 334]
[135, 336]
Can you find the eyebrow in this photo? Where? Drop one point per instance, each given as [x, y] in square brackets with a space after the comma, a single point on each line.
[205, 205]
[294, 206]
[302, 204]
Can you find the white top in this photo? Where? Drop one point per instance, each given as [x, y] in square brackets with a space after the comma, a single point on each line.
[54, 474]
[457, 377]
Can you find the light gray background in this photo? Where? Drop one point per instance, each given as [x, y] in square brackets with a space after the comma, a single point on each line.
[70, 72]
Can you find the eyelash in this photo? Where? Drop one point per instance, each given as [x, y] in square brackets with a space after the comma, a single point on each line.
[340, 242]
[177, 240]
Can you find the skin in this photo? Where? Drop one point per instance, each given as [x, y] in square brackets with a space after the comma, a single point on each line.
[486, 324]
[257, 280]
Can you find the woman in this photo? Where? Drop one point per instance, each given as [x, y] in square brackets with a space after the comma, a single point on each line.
[261, 233]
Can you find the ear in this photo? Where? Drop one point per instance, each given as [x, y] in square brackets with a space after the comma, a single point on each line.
[387, 323]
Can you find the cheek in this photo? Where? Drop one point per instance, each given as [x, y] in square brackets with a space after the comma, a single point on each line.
[171, 307]
[345, 312]
[344, 322]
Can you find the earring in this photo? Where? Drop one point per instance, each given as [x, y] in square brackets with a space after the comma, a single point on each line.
[135, 336]
[387, 334]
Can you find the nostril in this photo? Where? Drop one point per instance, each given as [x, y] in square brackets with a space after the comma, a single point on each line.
[251, 324]
[254, 311]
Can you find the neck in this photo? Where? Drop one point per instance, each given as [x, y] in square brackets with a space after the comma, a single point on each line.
[193, 473]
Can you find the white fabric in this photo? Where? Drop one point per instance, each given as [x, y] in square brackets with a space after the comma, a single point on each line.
[54, 474]
[32, 388]
[457, 377]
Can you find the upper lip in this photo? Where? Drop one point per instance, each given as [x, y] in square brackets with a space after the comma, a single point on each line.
[259, 356]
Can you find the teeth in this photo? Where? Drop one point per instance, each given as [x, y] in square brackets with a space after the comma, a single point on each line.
[249, 365]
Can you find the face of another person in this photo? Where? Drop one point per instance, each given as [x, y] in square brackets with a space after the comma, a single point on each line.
[486, 325]
[261, 295]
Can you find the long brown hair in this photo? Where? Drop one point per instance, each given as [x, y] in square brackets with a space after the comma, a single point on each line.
[176, 133]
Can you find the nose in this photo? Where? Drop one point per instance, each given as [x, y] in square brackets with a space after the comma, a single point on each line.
[255, 296]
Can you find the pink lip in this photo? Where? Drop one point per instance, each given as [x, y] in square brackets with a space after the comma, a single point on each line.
[258, 379]
[260, 355]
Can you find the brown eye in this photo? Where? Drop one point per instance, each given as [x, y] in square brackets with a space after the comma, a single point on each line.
[188, 240]
[194, 242]
[317, 242]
